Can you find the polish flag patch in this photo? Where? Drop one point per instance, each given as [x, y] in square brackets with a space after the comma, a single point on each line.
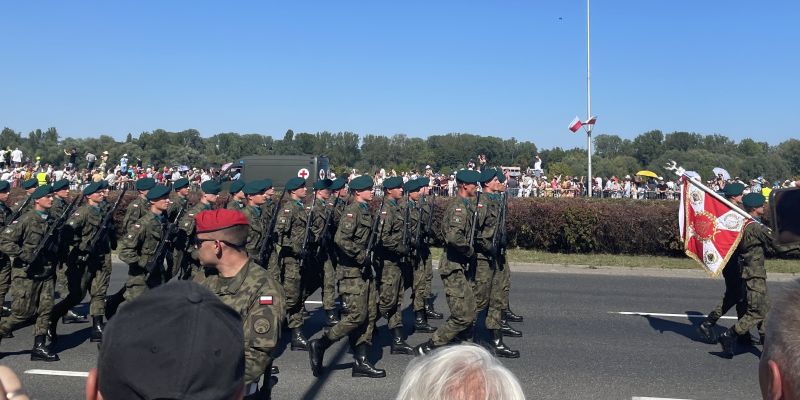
[265, 300]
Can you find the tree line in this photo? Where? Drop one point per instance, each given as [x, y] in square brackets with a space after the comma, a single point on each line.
[613, 155]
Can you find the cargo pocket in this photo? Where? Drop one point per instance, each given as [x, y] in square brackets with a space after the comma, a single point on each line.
[21, 292]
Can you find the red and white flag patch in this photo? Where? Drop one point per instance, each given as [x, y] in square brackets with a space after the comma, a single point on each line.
[265, 300]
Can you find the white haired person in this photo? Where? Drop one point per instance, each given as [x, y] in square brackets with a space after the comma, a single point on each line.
[779, 369]
[461, 372]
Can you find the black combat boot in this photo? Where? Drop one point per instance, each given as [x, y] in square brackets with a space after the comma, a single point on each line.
[508, 330]
[52, 335]
[728, 342]
[499, 348]
[299, 341]
[72, 317]
[430, 312]
[510, 316]
[332, 319]
[421, 322]
[6, 312]
[362, 368]
[97, 328]
[274, 370]
[40, 351]
[466, 335]
[316, 350]
[399, 346]
[706, 331]
[7, 335]
[424, 348]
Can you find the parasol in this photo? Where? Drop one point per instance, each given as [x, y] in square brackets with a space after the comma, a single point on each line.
[647, 173]
[721, 171]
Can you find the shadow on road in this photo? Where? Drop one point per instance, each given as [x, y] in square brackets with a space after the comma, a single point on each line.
[689, 330]
[319, 383]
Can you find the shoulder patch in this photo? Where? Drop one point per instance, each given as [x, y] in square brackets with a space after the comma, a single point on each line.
[14, 221]
[286, 210]
[458, 210]
[265, 300]
[76, 214]
[349, 215]
[261, 325]
[135, 205]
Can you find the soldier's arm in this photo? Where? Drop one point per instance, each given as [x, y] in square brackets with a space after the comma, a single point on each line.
[456, 235]
[131, 244]
[10, 239]
[345, 234]
[72, 231]
[262, 330]
[391, 232]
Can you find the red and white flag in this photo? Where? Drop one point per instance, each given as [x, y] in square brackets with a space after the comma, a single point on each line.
[265, 300]
[577, 123]
[709, 228]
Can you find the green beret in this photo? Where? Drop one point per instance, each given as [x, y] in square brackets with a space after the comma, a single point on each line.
[411, 186]
[92, 188]
[424, 181]
[361, 182]
[753, 200]
[393, 182]
[468, 176]
[5, 186]
[41, 191]
[157, 192]
[337, 184]
[180, 184]
[255, 187]
[488, 174]
[236, 186]
[501, 177]
[60, 184]
[103, 184]
[145, 184]
[733, 189]
[267, 183]
[210, 187]
[322, 184]
[30, 183]
[295, 183]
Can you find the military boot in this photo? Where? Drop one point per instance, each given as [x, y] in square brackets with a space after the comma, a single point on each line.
[316, 350]
[52, 335]
[430, 312]
[362, 367]
[508, 330]
[72, 317]
[421, 322]
[97, 328]
[8, 335]
[6, 312]
[499, 348]
[40, 351]
[466, 335]
[728, 342]
[274, 370]
[299, 341]
[424, 348]
[332, 319]
[510, 316]
[706, 331]
[399, 346]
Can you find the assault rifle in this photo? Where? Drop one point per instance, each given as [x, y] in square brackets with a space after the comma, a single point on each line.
[372, 240]
[499, 240]
[17, 213]
[404, 238]
[307, 231]
[168, 231]
[473, 232]
[323, 241]
[268, 242]
[49, 242]
[429, 226]
[105, 225]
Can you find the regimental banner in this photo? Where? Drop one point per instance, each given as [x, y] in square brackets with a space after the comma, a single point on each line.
[710, 229]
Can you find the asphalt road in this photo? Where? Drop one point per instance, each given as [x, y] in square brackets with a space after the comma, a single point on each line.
[574, 345]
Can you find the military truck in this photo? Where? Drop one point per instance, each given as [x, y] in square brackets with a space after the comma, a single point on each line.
[282, 168]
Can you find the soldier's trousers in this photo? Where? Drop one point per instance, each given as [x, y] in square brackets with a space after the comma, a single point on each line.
[62, 287]
[92, 275]
[423, 275]
[390, 293]
[733, 296]
[29, 298]
[321, 274]
[482, 281]
[504, 281]
[292, 281]
[359, 307]
[5, 277]
[498, 296]
[757, 307]
[461, 301]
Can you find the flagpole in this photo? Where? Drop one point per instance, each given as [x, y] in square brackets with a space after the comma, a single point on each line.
[682, 173]
[588, 104]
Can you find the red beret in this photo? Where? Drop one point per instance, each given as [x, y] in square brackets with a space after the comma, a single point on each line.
[214, 220]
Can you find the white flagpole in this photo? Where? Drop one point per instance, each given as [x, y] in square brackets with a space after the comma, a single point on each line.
[588, 105]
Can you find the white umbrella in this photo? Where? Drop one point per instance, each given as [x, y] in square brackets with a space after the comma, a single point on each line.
[721, 171]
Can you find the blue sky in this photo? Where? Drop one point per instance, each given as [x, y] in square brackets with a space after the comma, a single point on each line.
[501, 68]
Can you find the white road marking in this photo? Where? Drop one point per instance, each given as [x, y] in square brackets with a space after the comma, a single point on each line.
[653, 398]
[57, 373]
[647, 314]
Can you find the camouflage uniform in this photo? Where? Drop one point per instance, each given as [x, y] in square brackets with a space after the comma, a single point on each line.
[138, 247]
[257, 231]
[390, 264]
[234, 204]
[422, 262]
[486, 262]
[290, 228]
[137, 208]
[28, 205]
[5, 260]
[59, 205]
[31, 285]
[187, 264]
[260, 302]
[316, 271]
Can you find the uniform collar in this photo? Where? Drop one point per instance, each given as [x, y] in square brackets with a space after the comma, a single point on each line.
[42, 214]
[235, 283]
[364, 206]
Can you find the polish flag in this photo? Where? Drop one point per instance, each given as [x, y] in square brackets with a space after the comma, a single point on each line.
[265, 300]
[575, 124]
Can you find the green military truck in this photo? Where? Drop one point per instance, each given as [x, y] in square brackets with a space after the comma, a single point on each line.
[282, 168]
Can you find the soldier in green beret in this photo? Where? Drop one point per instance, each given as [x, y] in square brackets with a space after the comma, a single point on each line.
[756, 242]
[60, 204]
[187, 265]
[179, 200]
[5, 260]
[257, 193]
[419, 252]
[424, 273]
[356, 286]
[25, 204]
[139, 207]
[31, 279]
[319, 272]
[457, 258]
[503, 276]
[237, 196]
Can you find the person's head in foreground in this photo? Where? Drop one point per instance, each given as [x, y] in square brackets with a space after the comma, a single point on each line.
[462, 372]
[779, 369]
[177, 341]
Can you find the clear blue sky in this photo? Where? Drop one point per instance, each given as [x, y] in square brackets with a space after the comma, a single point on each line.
[510, 68]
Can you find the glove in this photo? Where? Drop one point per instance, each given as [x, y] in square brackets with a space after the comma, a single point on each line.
[361, 258]
[469, 252]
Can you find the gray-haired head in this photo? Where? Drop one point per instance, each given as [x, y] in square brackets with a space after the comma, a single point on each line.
[782, 343]
[463, 372]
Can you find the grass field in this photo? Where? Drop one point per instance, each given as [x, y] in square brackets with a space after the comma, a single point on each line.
[539, 257]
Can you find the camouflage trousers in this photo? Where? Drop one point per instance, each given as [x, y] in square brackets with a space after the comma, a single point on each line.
[292, 287]
[757, 307]
[359, 307]
[5, 277]
[139, 281]
[423, 275]
[390, 293]
[92, 275]
[461, 301]
[481, 281]
[29, 298]
[503, 281]
[734, 296]
[322, 274]
[62, 287]
[498, 295]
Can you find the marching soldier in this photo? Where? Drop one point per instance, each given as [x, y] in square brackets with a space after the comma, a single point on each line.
[420, 252]
[140, 243]
[356, 286]
[187, 265]
[140, 206]
[31, 280]
[336, 206]
[319, 272]
[178, 203]
[457, 259]
[5, 260]
[244, 286]
[290, 229]
[757, 242]
[25, 204]
[425, 272]
[502, 277]
[390, 259]
[257, 193]
[60, 197]
[237, 196]
[86, 266]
